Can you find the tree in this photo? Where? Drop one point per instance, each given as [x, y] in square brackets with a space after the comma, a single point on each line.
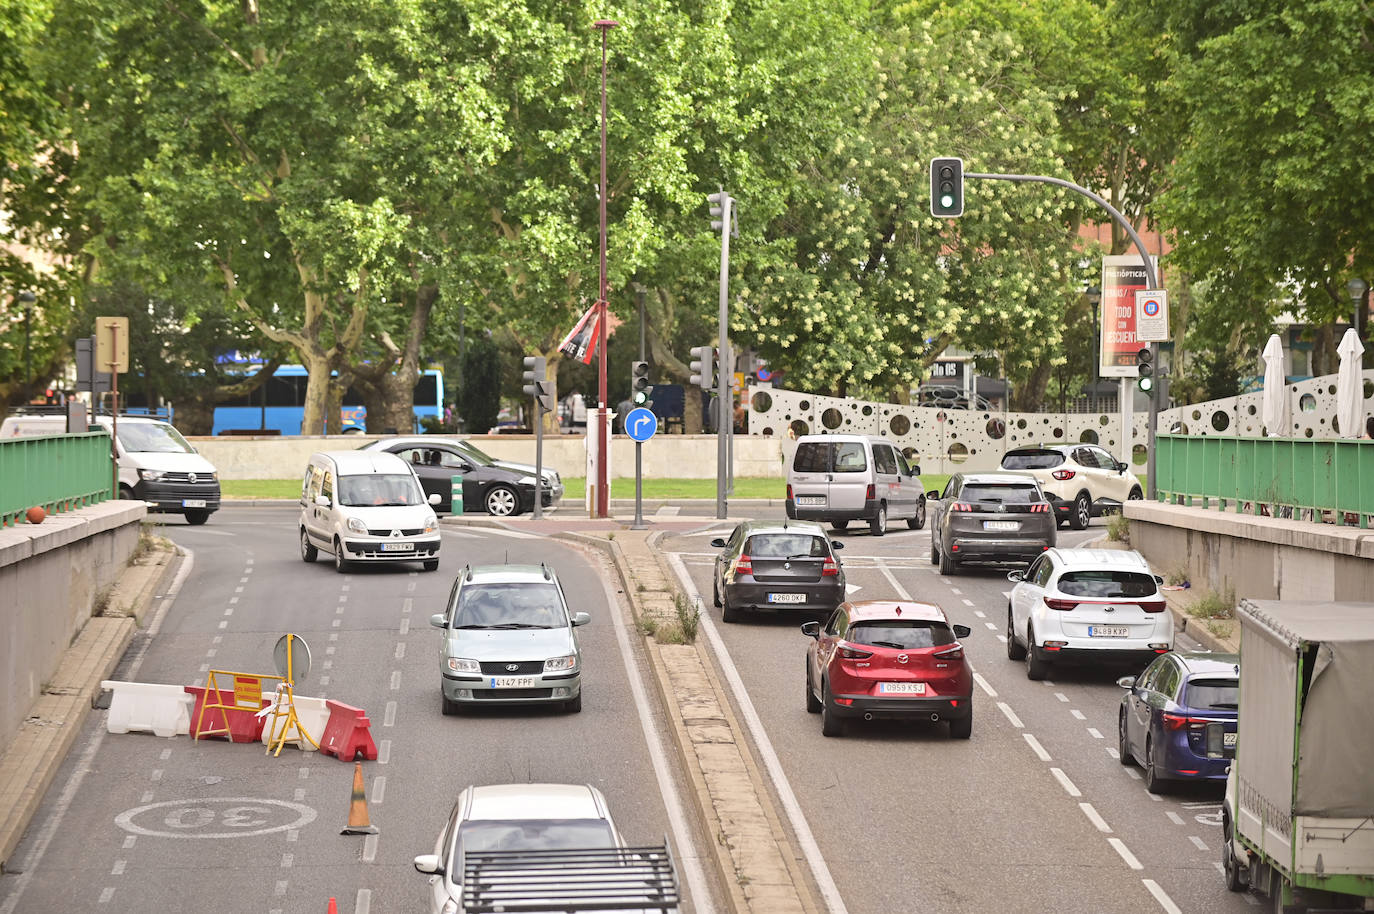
[479, 399]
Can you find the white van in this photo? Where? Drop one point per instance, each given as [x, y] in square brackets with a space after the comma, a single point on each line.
[839, 478]
[366, 506]
[156, 464]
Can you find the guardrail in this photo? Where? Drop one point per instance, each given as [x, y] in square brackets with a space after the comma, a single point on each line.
[57, 472]
[1276, 476]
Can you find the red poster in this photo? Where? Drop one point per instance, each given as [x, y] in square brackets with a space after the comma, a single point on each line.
[1122, 276]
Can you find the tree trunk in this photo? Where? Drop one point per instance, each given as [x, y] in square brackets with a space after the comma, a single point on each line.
[1324, 358]
[1031, 394]
[388, 384]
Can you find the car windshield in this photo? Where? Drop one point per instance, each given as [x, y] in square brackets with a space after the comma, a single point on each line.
[1101, 583]
[534, 834]
[152, 438]
[1031, 460]
[787, 546]
[515, 605]
[1001, 493]
[1214, 694]
[378, 490]
[903, 634]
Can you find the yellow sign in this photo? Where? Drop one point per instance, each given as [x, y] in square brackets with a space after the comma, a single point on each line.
[248, 691]
[112, 344]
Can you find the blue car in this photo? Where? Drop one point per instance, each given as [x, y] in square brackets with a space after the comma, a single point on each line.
[1178, 718]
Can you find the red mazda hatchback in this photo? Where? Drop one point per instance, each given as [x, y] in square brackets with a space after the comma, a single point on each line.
[888, 659]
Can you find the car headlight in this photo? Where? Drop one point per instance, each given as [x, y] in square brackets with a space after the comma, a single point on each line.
[560, 664]
[432, 524]
[464, 665]
[356, 525]
[526, 480]
[214, 477]
[150, 475]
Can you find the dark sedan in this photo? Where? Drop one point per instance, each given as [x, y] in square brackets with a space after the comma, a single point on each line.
[1178, 718]
[777, 566]
[487, 488]
[995, 518]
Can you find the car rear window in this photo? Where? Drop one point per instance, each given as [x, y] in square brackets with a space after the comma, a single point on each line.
[1001, 493]
[1031, 460]
[1214, 694]
[786, 545]
[850, 457]
[812, 457]
[1104, 583]
[903, 634]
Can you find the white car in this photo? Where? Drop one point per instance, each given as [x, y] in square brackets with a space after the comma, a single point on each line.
[1093, 605]
[502, 841]
[1082, 481]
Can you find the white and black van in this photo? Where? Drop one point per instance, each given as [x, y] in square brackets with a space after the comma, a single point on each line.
[839, 478]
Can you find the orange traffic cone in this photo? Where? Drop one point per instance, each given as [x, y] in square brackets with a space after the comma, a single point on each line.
[358, 823]
[333, 907]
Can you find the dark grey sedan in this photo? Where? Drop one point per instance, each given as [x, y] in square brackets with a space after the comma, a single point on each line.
[991, 518]
[788, 565]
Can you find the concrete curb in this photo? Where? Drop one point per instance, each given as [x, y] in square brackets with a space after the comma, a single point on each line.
[31, 762]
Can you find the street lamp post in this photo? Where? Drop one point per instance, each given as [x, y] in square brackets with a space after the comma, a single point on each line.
[602, 445]
[27, 299]
[1357, 288]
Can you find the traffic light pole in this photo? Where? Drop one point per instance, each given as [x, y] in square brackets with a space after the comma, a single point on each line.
[1149, 278]
[724, 414]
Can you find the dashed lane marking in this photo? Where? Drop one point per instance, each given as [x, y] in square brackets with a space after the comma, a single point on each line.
[1161, 896]
[983, 683]
[369, 849]
[1038, 749]
[1011, 715]
[1078, 715]
[1094, 733]
[364, 902]
[1062, 697]
[1125, 853]
[991, 625]
[1174, 817]
[978, 612]
[1135, 775]
[378, 790]
[1199, 843]
[1064, 782]
[389, 716]
[1095, 818]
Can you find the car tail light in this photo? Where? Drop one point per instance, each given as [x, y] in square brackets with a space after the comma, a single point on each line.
[1181, 722]
[1041, 508]
[1062, 475]
[961, 506]
[853, 653]
[1052, 603]
[831, 568]
[744, 565]
[1152, 606]
[952, 653]
[870, 493]
[789, 491]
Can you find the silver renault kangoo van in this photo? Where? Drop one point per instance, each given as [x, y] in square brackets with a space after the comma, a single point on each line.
[840, 478]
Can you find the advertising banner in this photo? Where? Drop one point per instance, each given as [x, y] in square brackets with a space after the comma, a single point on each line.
[1123, 275]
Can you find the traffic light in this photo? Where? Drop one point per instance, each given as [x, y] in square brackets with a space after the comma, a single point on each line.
[718, 202]
[1145, 369]
[702, 367]
[536, 370]
[947, 187]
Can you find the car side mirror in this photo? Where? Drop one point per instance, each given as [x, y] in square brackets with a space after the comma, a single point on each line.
[428, 863]
[439, 620]
[580, 619]
[933, 494]
[915, 471]
[434, 498]
[322, 501]
[718, 543]
[1126, 682]
[1015, 576]
[1158, 579]
[836, 544]
[962, 631]
[811, 629]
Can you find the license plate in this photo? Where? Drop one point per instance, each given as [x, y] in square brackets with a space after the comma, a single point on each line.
[901, 688]
[397, 547]
[513, 682]
[1108, 631]
[1228, 740]
[811, 501]
[787, 598]
[193, 502]
[1001, 525]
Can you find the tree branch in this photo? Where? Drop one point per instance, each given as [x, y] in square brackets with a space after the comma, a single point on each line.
[210, 33]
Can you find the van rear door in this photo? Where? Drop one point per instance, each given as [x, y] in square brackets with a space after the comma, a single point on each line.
[850, 478]
[810, 476]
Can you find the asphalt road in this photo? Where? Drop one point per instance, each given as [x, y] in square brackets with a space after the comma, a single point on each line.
[1033, 814]
[139, 823]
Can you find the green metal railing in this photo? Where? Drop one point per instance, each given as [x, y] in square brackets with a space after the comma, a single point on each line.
[55, 473]
[1279, 476]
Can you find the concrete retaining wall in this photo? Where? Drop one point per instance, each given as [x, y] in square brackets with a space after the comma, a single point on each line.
[1266, 558]
[51, 575]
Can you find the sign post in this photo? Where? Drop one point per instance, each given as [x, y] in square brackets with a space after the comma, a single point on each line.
[640, 425]
[112, 353]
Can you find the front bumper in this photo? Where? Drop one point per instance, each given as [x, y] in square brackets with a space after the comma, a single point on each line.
[948, 707]
[173, 497]
[475, 689]
[818, 597]
[379, 549]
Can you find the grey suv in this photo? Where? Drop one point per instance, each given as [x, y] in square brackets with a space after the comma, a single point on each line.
[993, 518]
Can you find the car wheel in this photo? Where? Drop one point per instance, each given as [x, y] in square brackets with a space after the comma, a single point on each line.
[1153, 782]
[813, 704]
[1136, 494]
[1082, 512]
[878, 525]
[574, 705]
[1015, 650]
[502, 501]
[934, 549]
[831, 723]
[431, 565]
[962, 727]
[196, 518]
[1237, 877]
[728, 613]
[1037, 668]
[715, 591]
[308, 551]
[340, 563]
[948, 565]
[1123, 748]
[919, 521]
[449, 708]
[126, 493]
[840, 524]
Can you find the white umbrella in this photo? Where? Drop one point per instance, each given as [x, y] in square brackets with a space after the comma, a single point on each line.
[1275, 412]
[1350, 386]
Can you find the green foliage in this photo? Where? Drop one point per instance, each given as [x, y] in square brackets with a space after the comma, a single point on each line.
[479, 399]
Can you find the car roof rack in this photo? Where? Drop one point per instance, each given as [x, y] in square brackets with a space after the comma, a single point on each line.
[548, 575]
[639, 879]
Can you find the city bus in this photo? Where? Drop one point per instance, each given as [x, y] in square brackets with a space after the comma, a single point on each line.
[280, 404]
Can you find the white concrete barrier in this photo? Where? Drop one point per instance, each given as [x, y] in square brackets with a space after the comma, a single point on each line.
[313, 714]
[163, 709]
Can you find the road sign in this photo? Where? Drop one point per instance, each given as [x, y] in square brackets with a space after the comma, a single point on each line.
[112, 344]
[640, 424]
[1151, 316]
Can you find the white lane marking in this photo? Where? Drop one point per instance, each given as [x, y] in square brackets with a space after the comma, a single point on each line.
[851, 588]
[983, 683]
[217, 639]
[364, 902]
[1062, 697]
[1064, 782]
[389, 716]
[105, 895]
[1135, 775]
[1174, 817]
[968, 602]
[400, 650]
[1113, 753]
[1125, 853]
[328, 664]
[243, 580]
[334, 636]
[514, 534]
[340, 610]
[410, 586]
[343, 598]
[668, 511]
[407, 603]
[1095, 819]
[336, 623]
[1002, 638]
[205, 667]
[238, 589]
[233, 601]
[887, 573]
[324, 680]
[129, 841]
[956, 591]
[1156, 797]
[378, 790]
[395, 680]
[1011, 715]
[299, 794]
[329, 651]
[1162, 897]
[293, 835]
[226, 624]
[1048, 684]
[384, 752]
[978, 612]
[157, 774]
[287, 860]
[118, 868]
[211, 652]
[405, 627]
[830, 893]
[280, 888]
[1078, 715]
[1038, 749]
[1094, 733]
[991, 625]
[147, 797]
[1199, 843]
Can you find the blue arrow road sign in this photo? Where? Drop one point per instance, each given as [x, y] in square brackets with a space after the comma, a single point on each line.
[640, 424]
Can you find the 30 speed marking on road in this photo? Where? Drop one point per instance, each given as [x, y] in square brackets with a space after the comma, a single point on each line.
[215, 817]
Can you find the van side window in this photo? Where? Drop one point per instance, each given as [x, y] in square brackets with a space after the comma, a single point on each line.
[327, 486]
[884, 459]
[305, 484]
[812, 457]
[902, 466]
[850, 457]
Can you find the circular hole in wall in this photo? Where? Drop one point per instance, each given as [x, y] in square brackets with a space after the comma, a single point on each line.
[957, 452]
[1197, 414]
[1103, 420]
[1139, 453]
[1250, 409]
[762, 401]
[768, 431]
[831, 418]
[1307, 403]
[1307, 432]
[798, 428]
[1020, 423]
[899, 424]
[1088, 437]
[940, 416]
[996, 429]
[1220, 421]
[1058, 432]
[1368, 389]
[804, 405]
[867, 410]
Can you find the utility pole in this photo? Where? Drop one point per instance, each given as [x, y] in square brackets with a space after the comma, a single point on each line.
[603, 443]
[722, 207]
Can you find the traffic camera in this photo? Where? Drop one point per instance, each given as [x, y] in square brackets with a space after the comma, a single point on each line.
[1145, 369]
[947, 187]
[702, 367]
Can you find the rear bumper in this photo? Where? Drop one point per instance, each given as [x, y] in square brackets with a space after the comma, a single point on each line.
[952, 707]
[998, 549]
[820, 597]
[827, 514]
[1077, 653]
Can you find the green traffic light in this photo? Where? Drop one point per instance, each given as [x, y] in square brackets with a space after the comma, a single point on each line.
[947, 201]
[1146, 384]
[640, 397]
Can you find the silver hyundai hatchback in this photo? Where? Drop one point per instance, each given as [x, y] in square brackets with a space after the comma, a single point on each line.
[509, 639]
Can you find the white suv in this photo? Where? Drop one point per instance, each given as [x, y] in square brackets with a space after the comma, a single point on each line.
[1082, 481]
[1096, 605]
